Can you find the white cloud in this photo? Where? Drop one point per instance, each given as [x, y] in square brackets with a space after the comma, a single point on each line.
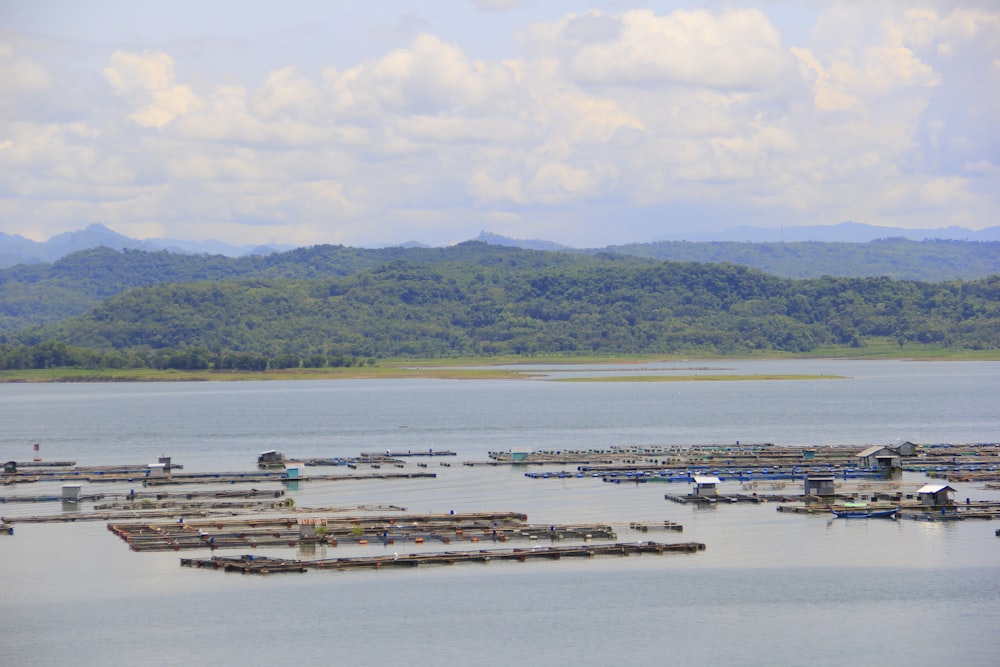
[149, 80]
[734, 49]
[881, 115]
[20, 76]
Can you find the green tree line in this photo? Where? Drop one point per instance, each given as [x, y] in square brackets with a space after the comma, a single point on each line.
[411, 309]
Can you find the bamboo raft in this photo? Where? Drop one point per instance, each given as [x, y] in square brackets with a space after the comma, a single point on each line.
[140, 476]
[667, 525]
[984, 510]
[146, 497]
[957, 462]
[249, 564]
[731, 499]
[290, 531]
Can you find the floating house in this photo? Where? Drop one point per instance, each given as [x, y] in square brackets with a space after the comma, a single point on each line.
[270, 457]
[309, 528]
[907, 449]
[819, 485]
[936, 495]
[519, 453]
[156, 470]
[881, 458]
[706, 487]
[71, 493]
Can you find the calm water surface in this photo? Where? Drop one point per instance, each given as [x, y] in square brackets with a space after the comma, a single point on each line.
[771, 588]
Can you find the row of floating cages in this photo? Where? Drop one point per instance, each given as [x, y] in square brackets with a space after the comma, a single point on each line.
[689, 475]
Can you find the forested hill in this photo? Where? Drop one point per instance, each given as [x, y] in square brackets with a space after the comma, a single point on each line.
[604, 305]
[45, 293]
[900, 258]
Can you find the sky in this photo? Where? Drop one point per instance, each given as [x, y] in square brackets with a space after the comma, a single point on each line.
[587, 124]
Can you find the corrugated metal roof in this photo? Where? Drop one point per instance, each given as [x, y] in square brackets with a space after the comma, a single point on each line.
[934, 488]
[701, 479]
[871, 450]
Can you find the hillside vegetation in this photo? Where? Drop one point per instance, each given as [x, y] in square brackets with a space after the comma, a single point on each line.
[900, 258]
[479, 300]
[45, 293]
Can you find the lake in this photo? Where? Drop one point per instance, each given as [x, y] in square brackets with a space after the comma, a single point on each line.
[770, 589]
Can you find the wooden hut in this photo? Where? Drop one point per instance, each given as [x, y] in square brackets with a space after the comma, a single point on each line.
[819, 485]
[519, 453]
[310, 528]
[881, 458]
[936, 495]
[270, 458]
[706, 487]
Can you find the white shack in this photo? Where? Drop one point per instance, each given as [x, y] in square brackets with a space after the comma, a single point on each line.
[705, 486]
[936, 495]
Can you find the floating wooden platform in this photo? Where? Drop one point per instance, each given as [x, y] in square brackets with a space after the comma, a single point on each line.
[290, 531]
[138, 476]
[666, 525]
[725, 499]
[956, 462]
[249, 564]
[394, 455]
[983, 510]
[249, 478]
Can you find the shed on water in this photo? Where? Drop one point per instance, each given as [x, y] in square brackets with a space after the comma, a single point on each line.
[270, 456]
[705, 486]
[309, 528]
[819, 485]
[882, 458]
[936, 495]
[519, 453]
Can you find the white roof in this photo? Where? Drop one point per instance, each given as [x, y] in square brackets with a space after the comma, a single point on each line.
[934, 488]
[873, 449]
[701, 479]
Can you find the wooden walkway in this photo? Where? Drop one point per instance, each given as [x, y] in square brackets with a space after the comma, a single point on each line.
[249, 564]
[137, 477]
[292, 531]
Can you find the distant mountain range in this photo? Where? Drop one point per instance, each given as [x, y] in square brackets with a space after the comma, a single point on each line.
[16, 249]
[845, 232]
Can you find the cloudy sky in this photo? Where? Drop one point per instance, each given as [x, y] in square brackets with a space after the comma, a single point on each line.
[588, 124]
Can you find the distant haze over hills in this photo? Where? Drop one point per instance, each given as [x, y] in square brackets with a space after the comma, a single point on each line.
[15, 249]
[845, 232]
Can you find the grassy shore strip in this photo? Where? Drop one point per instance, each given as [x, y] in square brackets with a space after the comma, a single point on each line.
[359, 373]
[494, 368]
[695, 378]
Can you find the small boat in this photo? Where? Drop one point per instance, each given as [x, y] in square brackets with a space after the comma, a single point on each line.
[862, 511]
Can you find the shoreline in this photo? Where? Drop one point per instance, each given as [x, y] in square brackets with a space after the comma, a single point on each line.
[480, 369]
